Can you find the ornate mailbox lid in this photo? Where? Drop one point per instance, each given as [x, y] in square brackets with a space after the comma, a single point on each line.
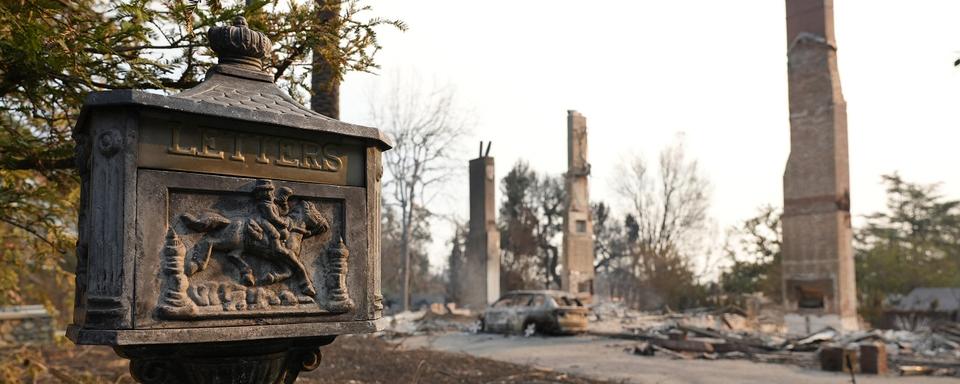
[240, 95]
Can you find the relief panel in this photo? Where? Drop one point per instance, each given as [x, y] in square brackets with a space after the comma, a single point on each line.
[225, 250]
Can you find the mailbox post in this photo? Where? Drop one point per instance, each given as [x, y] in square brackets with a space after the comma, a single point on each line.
[226, 233]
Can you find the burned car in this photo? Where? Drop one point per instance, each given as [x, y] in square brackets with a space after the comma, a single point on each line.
[528, 312]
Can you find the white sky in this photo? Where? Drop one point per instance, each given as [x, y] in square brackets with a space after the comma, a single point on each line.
[644, 71]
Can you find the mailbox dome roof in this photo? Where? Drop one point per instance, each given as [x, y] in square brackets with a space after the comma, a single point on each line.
[237, 94]
[237, 88]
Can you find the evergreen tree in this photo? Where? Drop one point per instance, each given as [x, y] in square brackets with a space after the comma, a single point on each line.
[53, 53]
[915, 243]
[756, 259]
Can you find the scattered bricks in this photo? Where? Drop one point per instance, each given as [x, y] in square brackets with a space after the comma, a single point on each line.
[873, 358]
[831, 358]
[834, 358]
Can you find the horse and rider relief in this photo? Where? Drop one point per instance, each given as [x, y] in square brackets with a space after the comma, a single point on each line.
[254, 253]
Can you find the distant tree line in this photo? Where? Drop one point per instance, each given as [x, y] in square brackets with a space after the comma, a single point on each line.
[530, 223]
[644, 255]
[753, 250]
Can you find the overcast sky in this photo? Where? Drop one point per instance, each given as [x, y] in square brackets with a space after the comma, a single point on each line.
[643, 72]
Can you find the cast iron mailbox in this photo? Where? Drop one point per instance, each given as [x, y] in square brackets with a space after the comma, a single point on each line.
[225, 226]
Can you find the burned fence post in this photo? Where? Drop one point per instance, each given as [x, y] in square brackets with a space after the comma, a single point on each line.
[226, 233]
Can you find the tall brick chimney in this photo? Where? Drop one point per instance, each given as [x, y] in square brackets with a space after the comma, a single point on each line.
[818, 272]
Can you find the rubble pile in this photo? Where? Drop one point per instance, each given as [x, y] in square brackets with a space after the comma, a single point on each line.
[731, 334]
[437, 318]
[614, 317]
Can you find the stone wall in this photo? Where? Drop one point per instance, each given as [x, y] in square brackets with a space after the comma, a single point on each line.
[26, 324]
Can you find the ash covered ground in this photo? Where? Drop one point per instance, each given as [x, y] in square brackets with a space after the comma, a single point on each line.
[350, 359]
[443, 346]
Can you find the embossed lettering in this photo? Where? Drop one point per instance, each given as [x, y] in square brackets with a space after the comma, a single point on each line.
[265, 150]
[311, 156]
[175, 148]
[208, 145]
[284, 155]
[262, 152]
[237, 148]
[331, 161]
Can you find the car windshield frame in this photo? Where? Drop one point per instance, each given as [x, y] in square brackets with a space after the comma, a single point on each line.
[504, 302]
[514, 300]
[567, 301]
[523, 300]
[533, 302]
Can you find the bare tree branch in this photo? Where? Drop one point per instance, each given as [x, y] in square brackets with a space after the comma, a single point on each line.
[669, 210]
[426, 127]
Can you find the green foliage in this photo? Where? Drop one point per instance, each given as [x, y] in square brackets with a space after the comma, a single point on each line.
[640, 264]
[916, 243]
[531, 216]
[611, 239]
[637, 275]
[756, 257]
[54, 52]
[15, 366]
[37, 217]
[36, 236]
[456, 261]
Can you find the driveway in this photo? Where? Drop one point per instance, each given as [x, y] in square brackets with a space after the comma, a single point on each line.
[603, 358]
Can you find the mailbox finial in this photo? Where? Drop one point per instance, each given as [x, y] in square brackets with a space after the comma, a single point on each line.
[238, 45]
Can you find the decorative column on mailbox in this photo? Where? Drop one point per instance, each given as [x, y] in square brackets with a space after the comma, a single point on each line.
[226, 233]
